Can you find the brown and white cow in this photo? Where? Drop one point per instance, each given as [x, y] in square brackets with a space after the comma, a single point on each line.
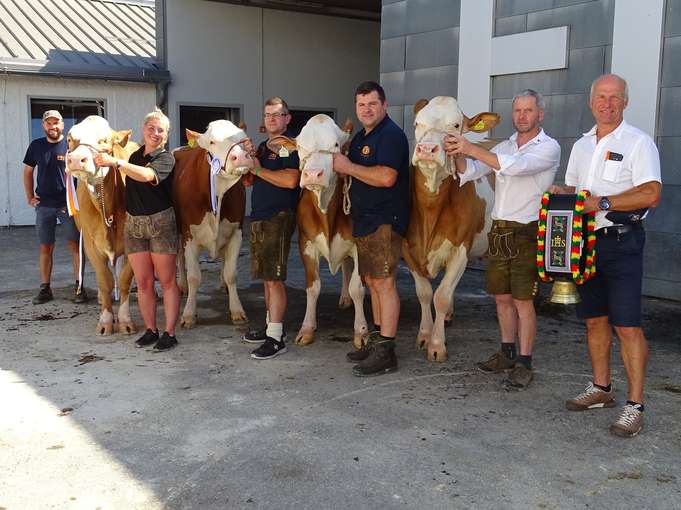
[210, 202]
[449, 222]
[101, 213]
[325, 230]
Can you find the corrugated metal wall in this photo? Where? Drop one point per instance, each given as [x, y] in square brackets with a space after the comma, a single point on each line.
[419, 58]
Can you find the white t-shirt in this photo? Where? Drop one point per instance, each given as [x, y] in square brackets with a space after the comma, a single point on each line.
[526, 173]
[623, 159]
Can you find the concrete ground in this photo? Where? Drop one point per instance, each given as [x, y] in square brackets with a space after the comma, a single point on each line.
[91, 422]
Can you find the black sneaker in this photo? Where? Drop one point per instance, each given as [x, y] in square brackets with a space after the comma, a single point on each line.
[165, 342]
[269, 349]
[80, 297]
[255, 336]
[44, 295]
[149, 337]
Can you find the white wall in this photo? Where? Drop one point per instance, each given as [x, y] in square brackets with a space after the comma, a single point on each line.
[125, 106]
[224, 54]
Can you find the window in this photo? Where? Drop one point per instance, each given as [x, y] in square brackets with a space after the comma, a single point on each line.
[197, 118]
[300, 117]
[73, 111]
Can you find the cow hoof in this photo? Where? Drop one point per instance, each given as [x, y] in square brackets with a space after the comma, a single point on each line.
[359, 340]
[127, 328]
[448, 322]
[188, 322]
[105, 329]
[239, 318]
[304, 338]
[437, 353]
[344, 302]
[421, 341]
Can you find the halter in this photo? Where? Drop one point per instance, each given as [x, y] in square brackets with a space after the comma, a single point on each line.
[347, 182]
[449, 129]
[216, 166]
[97, 181]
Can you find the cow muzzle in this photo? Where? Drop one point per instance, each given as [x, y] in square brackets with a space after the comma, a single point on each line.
[429, 154]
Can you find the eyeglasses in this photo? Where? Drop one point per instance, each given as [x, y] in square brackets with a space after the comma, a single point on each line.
[274, 115]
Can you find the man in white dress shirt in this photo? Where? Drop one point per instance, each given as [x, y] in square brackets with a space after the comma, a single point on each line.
[524, 167]
[620, 165]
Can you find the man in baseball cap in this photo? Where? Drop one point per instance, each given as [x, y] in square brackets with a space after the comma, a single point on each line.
[52, 114]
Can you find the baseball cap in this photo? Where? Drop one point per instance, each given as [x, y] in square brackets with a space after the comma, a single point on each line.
[52, 113]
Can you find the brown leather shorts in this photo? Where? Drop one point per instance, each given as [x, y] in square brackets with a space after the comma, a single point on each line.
[379, 252]
[155, 233]
[270, 245]
[511, 259]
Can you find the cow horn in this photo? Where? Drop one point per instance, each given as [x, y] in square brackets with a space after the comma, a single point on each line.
[419, 105]
[242, 125]
[348, 126]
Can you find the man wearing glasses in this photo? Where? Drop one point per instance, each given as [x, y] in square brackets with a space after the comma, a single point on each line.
[274, 199]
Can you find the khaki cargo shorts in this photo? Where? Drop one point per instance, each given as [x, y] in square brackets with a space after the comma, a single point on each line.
[379, 252]
[270, 244]
[155, 233]
[511, 259]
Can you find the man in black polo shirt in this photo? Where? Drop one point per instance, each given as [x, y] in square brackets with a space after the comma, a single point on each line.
[378, 164]
[49, 199]
[273, 204]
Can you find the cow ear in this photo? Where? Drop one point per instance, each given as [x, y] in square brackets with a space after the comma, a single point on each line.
[242, 125]
[122, 137]
[192, 137]
[348, 126]
[419, 105]
[481, 122]
[280, 141]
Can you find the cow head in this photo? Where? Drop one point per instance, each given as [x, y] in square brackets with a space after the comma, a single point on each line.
[432, 122]
[319, 139]
[225, 144]
[88, 137]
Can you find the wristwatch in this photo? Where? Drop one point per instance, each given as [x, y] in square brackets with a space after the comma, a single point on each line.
[604, 204]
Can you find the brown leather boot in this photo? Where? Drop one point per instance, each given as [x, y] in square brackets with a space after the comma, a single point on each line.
[381, 360]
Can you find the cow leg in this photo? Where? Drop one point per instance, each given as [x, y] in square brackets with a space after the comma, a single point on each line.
[229, 260]
[125, 323]
[314, 286]
[191, 261]
[424, 291]
[105, 284]
[356, 292]
[345, 300]
[437, 351]
[449, 316]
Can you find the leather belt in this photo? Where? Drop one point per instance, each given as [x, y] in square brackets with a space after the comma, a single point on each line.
[617, 230]
[513, 224]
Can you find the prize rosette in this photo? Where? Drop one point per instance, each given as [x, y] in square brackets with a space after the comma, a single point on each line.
[561, 240]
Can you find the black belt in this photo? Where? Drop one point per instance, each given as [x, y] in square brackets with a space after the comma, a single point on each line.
[617, 230]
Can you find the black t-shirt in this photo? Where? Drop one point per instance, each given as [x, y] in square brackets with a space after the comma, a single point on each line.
[144, 198]
[50, 158]
[267, 199]
[385, 145]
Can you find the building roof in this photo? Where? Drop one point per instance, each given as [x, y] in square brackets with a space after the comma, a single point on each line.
[109, 39]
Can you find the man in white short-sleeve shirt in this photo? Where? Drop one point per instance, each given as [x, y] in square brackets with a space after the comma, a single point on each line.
[620, 165]
[524, 167]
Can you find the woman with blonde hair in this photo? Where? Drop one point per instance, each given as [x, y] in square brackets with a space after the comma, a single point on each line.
[151, 240]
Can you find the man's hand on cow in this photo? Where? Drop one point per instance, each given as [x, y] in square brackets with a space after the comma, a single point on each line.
[457, 145]
[250, 147]
[104, 159]
[341, 164]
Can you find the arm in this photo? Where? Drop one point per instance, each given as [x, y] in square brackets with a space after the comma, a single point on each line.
[284, 178]
[31, 197]
[379, 176]
[138, 173]
[638, 197]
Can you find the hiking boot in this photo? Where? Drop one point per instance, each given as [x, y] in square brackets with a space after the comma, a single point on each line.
[149, 337]
[591, 398]
[630, 421]
[496, 363]
[269, 349]
[381, 360]
[257, 336]
[355, 356]
[166, 342]
[80, 296]
[44, 295]
[520, 376]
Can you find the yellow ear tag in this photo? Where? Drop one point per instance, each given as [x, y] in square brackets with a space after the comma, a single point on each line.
[192, 143]
[479, 126]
